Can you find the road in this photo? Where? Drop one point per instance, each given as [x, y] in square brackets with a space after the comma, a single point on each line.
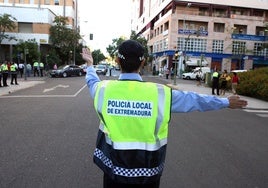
[48, 135]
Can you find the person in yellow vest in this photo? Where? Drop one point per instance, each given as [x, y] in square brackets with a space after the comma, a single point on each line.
[134, 116]
[36, 68]
[13, 72]
[41, 68]
[4, 69]
[215, 82]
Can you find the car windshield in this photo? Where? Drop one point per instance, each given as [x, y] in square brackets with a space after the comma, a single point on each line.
[100, 66]
[63, 66]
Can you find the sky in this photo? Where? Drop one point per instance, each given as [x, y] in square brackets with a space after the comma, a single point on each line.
[106, 20]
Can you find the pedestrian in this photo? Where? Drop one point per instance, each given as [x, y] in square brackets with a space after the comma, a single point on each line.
[29, 69]
[223, 80]
[13, 72]
[198, 77]
[166, 70]
[4, 68]
[215, 82]
[36, 68]
[21, 68]
[134, 116]
[41, 68]
[55, 67]
[235, 82]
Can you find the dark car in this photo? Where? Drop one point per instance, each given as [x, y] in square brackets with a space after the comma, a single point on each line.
[67, 70]
[84, 67]
[101, 69]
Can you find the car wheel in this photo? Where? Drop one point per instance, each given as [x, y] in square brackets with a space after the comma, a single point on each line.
[80, 74]
[188, 78]
[64, 75]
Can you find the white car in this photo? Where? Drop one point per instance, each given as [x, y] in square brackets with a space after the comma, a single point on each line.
[192, 75]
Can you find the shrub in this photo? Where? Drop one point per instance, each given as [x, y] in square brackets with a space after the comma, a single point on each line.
[254, 83]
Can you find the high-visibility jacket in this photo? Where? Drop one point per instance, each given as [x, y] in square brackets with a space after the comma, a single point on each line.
[41, 65]
[36, 64]
[4, 68]
[132, 137]
[215, 75]
[13, 68]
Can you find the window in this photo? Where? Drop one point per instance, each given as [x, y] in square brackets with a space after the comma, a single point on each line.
[239, 47]
[47, 2]
[192, 44]
[259, 50]
[217, 46]
[219, 27]
[56, 2]
[25, 27]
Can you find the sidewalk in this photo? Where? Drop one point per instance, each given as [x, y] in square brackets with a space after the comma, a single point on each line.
[23, 84]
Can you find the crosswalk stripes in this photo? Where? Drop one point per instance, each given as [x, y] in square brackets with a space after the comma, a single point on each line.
[258, 112]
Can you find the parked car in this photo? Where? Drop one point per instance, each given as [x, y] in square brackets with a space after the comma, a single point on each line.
[101, 69]
[67, 70]
[192, 75]
[84, 67]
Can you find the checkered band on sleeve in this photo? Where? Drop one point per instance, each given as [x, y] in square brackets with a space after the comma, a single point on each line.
[135, 172]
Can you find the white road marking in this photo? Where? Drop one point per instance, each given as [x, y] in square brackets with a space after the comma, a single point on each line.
[55, 87]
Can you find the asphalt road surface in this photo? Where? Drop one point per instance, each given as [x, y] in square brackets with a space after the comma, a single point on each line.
[48, 133]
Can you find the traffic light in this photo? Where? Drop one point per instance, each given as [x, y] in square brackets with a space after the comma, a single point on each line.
[176, 55]
[90, 36]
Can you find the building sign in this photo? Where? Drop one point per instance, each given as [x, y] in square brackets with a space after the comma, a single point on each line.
[192, 32]
[43, 41]
[249, 37]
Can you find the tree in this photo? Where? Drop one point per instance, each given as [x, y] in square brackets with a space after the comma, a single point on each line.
[7, 23]
[97, 56]
[63, 39]
[112, 48]
[32, 47]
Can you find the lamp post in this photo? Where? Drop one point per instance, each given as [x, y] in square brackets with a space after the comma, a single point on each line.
[177, 60]
[185, 41]
[26, 51]
[70, 59]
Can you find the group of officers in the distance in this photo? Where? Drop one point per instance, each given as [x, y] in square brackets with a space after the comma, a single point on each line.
[12, 69]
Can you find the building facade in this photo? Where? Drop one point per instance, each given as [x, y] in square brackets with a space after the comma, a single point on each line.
[225, 34]
[33, 20]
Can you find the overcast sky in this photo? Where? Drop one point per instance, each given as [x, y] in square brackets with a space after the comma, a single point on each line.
[106, 19]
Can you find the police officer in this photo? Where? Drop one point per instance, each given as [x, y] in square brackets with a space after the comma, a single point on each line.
[41, 68]
[134, 115]
[4, 68]
[36, 68]
[13, 71]
[215, 82]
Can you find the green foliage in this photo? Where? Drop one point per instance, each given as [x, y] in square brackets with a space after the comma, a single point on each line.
[64, 40]
[254, 83]
[112, 48]
[32, 47]
[7, 23]
[97, 56]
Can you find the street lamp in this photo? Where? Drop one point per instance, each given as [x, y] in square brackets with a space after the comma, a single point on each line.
[70, 59]
[177, 60]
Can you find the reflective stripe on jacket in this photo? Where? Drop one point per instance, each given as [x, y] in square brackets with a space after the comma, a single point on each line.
[132, 138]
